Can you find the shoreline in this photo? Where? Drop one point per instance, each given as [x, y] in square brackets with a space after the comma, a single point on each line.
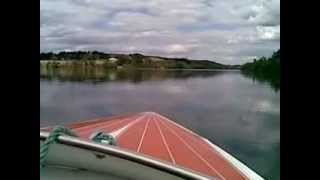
[56, 64]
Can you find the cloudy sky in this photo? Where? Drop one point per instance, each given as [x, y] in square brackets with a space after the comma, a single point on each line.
[226, 31]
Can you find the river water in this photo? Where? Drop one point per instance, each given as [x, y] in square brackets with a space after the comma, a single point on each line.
[239, 114]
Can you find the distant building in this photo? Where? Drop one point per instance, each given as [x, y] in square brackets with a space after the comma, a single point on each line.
[113, 60]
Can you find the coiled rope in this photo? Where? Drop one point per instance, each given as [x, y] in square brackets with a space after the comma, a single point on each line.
[52, 138]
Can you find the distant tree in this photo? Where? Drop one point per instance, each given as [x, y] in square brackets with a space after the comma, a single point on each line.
[265, 69]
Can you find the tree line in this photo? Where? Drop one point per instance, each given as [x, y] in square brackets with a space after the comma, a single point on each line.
[264, 65]
[133, 60]
[75, 55]
[265, 69]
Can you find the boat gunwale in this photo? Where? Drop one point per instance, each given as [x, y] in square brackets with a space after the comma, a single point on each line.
[115, 151]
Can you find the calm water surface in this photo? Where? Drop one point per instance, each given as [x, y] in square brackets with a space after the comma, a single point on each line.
[240, 115]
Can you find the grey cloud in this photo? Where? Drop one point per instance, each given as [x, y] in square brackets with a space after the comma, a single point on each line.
[227, 31]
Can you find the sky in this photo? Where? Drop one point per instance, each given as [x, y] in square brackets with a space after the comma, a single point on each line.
[225, 31]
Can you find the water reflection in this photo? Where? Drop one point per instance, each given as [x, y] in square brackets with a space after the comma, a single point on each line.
[272, 79]
[224, 106]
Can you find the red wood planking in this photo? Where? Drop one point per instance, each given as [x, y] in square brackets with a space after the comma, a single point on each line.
[153, 144]
[130, 139]
[182, 154]
[96, 122]
[100, 120]
[109, 127]
[205, 150]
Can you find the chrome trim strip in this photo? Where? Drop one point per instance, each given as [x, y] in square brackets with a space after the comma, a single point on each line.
[130, 156]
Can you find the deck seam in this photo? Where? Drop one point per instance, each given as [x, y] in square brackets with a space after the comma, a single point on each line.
[245, 171]
[143, 134]
[213, 150]
[99, 125]
[101, 120]
[195, 152]
[165, 143]
[87, 131]
[176, 124]
[117, 133]
[201, 138]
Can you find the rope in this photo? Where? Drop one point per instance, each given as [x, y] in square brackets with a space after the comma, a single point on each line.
[52, 138]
